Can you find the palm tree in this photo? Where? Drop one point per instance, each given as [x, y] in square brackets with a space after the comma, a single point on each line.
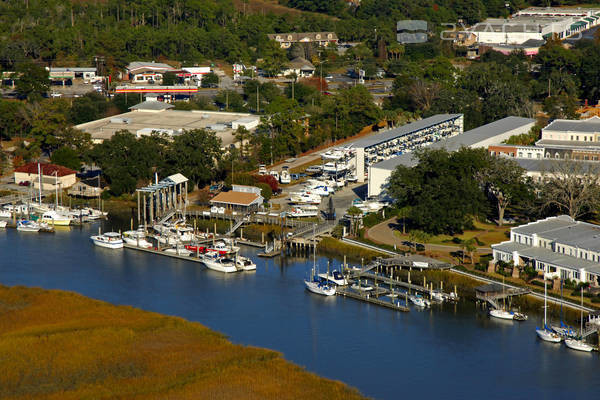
[470, 247]
[240, 135]
[403, 213]
[355, 213]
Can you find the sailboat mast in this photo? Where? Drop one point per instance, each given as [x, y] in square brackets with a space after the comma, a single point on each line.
[314, 252]
[39, 184]
[581, 319]
[545, 300]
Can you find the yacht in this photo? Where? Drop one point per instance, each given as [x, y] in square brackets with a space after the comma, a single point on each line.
[323, 191]
[285, 177]
[501, 314]
[28, 226]
[137, 238]
[213, 261]
[437, 296]
[55, 218]
[305, 198]
[335, 277]
[365, 288]
[110, 240]
[245, 264]
[304, 211]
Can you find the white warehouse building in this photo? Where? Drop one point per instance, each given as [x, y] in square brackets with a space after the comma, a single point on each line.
[404, 139]
[480, 137]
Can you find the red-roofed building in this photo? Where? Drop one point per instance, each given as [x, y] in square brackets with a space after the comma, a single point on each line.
[51, 175]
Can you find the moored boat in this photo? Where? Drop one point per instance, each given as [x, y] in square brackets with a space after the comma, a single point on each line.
[335, 277]
[55, 218]
[28, 226]
[245, 264]
[136, 238]
[109, 240]
[213, 261]
[502, 314]
[545, 333]
[3, 224]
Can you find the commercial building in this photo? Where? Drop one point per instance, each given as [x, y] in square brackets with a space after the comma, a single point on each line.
[536, 24]
[59, 73]
[53, 176]
[480, 137]
[152, 116]
[147, 72]
[299, 66]
[241, 198]
[406, 138]
[286, 40]
[558, 247]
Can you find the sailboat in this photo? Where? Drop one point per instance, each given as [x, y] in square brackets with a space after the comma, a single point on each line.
[315, 284]
[547, 334]
[579, 344]
[563, 330]
[504, 314]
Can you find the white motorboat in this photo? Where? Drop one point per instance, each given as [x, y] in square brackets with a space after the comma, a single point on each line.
[547, 334]
[335, 167]
[274, 174]
[3, 224]
[109, 240]
[137, 238]
[55, 218]
[285, 177]
[305, 198]
[437, 296]
[322, 191]
[419, 301]
[17, 209]
[178, 250]
[219, 264]
[304, 211]
[245, 264]
[335, 277]
[28, 226]
[365, 288]
[5, 214]
[502, 314]
[262, 169]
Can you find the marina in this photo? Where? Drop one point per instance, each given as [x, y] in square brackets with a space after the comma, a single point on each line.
[271, 308]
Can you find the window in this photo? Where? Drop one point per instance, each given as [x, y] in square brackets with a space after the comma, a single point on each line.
[556, 155]
[571, 137]
[528, 155]
[578, 137]
[520, 154]
[538, 155]
[329, 35]
[289, 37]
[575, 275]
[318, 36]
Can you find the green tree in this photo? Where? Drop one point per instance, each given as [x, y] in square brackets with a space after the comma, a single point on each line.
[470, 246]
[32, 80]
[67, 157]
[169, 79]
[210, 80]
[196, 154]
[273, 58]
[505, 182]
[355, 214]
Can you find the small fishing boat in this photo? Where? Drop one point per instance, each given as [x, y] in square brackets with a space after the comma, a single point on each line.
[109, 240]
[419, 301]
[178, 250]
[437, 296]
[245, 264]
[28, 226]
[304, 211]
[335, 277]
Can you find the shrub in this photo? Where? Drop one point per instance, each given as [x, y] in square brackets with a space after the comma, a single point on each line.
[265, 190]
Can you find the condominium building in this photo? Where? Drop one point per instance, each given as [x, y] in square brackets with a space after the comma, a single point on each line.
[557, 247]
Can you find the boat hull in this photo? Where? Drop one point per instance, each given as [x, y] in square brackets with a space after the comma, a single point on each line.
[219, 267]
[548, 336]
[57, 221]
[578, 345]
[501, 314]
[107, 245]
[317, 288]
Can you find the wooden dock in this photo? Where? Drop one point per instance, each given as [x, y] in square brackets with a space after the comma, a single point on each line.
[371, 297]
[162, 253]
[377, 278]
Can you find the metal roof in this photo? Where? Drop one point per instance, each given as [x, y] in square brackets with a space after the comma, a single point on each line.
[590, 125]
[152, 105]
[544, 225]
[467, 139]
[562, 260]
[404, 130]
[509, 247]
[549, 164]
[568, 144]
[150, 65]
[581, 235]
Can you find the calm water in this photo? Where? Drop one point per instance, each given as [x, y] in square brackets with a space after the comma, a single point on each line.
[452, 352]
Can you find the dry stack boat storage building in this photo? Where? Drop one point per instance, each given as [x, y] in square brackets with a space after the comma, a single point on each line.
[406, 138]
[483, 136]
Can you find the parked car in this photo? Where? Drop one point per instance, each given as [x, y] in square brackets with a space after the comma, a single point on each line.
[295, 177]
[24, 183]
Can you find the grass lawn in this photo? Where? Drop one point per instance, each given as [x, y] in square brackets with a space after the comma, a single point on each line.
[485, 234]
[61, 345]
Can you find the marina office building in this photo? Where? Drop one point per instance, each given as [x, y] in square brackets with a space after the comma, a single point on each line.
[403, 139]
[482, 136]
[556, 246]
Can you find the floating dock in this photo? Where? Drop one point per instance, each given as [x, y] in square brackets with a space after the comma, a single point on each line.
[162, 253]
[372, 297]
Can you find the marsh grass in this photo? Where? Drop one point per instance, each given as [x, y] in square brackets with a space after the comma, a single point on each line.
[60, 345]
